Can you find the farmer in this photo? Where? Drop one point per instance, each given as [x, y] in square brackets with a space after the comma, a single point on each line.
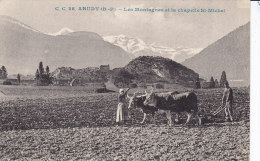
[121, 113]
[227, 101]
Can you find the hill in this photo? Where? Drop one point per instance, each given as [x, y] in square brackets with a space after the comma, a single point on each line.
[230, 53]
[148, 69]
[23, 47]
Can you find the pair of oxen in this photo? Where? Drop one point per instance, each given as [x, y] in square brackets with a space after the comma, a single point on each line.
[170, 102]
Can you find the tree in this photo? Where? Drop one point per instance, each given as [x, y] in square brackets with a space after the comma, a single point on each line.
[223, 79]
[4, 72]
[47, 77]
[122, 78]
[19, 78]
[41, 69]
[37, 77]
[198, 83]
[212, 83]
[41, 77]
[216, 83]
[47, 70]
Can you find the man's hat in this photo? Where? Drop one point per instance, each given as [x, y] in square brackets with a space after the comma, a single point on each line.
[121, 90]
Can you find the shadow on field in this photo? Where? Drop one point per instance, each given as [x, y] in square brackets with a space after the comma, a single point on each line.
[21, 126]
[24, 116]
[97, 125]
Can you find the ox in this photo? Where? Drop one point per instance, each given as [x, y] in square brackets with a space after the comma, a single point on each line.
[138, 102]
[177, 103]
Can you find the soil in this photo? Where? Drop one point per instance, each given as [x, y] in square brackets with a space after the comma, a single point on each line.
[82, 127]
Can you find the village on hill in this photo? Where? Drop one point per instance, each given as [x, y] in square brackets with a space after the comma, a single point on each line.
[141, 72]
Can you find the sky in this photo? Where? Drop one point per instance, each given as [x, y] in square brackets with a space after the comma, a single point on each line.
[173, 29]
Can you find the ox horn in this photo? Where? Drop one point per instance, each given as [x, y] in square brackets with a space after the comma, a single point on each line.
[145, 92]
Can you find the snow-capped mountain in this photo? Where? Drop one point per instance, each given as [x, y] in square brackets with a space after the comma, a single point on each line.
[131, 45]
[63, 31]
[23, 46]
[138, 47]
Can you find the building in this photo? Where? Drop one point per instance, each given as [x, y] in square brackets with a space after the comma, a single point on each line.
[62, 81]
[205, 84]
[10, 82]
[104, 68]
[92, 68]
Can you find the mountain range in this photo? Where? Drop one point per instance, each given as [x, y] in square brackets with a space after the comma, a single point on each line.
[138, 47]
[231, 53]
[22, 48]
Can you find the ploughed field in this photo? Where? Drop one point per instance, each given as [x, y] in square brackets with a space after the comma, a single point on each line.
[75, 123]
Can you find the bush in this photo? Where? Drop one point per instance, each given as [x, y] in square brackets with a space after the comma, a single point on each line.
[133, 85]
[7, 83]
[142, 85]
[122, 78]
[197, 84]
[103, 90]
[158, 86]
[212, 83]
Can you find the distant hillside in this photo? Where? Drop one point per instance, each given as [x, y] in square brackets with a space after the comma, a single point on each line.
[86, 75]
[150, 69]
[22, 48]
[230, 53]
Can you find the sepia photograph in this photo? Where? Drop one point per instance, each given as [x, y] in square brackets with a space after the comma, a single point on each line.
[125, 80]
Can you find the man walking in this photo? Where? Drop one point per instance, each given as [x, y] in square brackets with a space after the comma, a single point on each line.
[227, 101]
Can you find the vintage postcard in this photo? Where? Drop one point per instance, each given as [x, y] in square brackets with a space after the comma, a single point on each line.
[125, 80]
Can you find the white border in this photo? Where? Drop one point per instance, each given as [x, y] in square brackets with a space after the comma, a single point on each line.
[255, 82]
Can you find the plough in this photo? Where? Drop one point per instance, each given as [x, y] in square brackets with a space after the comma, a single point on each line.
[213, 114]
[218, 110]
